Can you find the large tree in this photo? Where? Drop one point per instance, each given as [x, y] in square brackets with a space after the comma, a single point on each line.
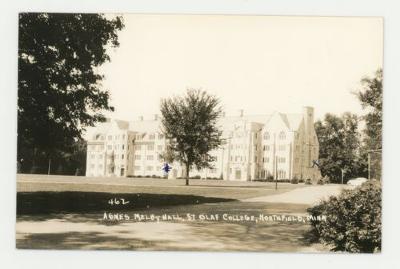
[370, 96]
[189, 124]
[58, 85]
[339, 141]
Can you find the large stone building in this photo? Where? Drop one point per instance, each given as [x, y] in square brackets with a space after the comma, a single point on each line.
[282, 146]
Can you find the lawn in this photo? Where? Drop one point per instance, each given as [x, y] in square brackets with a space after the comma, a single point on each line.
[68, 213]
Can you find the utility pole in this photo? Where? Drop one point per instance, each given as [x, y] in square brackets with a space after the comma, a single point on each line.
[342, 174]
[48, 169]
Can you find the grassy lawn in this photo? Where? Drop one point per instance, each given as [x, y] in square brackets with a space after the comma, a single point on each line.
[67, 213]
[207, 188]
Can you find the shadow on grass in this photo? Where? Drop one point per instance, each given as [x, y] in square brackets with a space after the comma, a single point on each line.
[84, 240]
[85, 202]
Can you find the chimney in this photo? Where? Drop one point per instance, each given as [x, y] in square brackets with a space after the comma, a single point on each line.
[140, 118]
[155, 117]
[240, 112]
[223, 114]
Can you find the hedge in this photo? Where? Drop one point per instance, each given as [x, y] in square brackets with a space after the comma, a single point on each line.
[353, 220]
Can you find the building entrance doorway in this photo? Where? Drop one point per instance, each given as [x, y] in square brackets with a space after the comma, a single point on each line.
[238, 174]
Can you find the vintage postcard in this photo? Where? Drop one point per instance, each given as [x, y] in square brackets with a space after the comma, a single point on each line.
[199, 133]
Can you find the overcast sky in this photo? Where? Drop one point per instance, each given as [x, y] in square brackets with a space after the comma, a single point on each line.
[259, 64]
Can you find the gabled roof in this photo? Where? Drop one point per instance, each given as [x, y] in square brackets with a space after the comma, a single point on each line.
[294, 121]
[291, 121]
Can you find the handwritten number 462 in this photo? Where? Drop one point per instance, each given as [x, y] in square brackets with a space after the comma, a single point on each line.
[118, 201]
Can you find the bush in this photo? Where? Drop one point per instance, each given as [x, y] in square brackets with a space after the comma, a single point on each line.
[294, 181]
[320, 182]
[353, 220]
[308, 181]
[301, 180]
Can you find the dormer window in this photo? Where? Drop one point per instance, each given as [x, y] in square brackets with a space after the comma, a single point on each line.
[282, 135]
[266, 136]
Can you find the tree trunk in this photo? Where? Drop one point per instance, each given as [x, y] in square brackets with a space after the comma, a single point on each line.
[187, 174]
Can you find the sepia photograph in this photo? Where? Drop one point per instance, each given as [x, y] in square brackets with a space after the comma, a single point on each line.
[217, 133]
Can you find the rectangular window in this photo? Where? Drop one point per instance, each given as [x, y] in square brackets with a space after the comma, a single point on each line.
[122, 156]
[138, 147]
[92, 166]
[266, 148]
[152, 136]
[123, 146]
[101, 156]
[160, 136]
[159, 148]
[150, 147]
[150, 157]
[123, 136]
[92, 156]
[109, 137]
[136, 167]
[149, 168]
[282, 147]
[109, 147]
[137, 157]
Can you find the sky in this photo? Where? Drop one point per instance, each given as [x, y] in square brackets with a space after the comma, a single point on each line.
[259, 64]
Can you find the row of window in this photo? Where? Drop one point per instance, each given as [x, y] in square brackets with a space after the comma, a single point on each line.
[150, 136]
[116, 147]
[148, 157]
[266, 173]
[149, 147]
[148, 168]
[116, 137]
[281, 136]
[265, 147]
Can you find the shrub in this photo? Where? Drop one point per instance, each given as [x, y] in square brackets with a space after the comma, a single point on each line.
[308, 181]
[294, 181]
[320, 182]
[301, 180]
[270, 178]
[353, 219]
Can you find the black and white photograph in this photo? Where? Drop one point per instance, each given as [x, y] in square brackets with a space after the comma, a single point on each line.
[210, 133]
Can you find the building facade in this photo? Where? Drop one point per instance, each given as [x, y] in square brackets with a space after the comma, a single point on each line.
[277, 146]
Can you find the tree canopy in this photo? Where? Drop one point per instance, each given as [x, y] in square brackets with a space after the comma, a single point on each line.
[189, 123]
[371, 98]
[59, 89]
[339, 141]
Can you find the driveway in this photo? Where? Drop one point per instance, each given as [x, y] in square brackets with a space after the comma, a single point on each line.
[308, 195]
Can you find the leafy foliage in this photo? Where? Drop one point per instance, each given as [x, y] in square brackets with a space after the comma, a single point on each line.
[371, 99]
[189, 123]
[353, 219]
[339, 141]
[58, 86]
